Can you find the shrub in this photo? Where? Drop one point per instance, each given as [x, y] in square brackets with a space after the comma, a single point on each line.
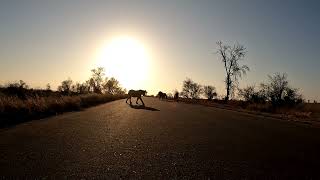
[277, 91]
[250, 94]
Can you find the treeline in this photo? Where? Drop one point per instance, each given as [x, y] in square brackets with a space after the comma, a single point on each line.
[276, 91]
[19, 102]
[22, 91]
[275, 95]
[97, 83]
[191, 89]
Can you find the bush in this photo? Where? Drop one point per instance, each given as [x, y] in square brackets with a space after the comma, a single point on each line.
[277, 91]
[250, 94]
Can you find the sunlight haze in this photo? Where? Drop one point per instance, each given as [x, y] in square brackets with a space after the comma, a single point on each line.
[155, 45]
[126, 59]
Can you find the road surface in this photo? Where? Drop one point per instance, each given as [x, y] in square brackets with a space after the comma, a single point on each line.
[164, 140]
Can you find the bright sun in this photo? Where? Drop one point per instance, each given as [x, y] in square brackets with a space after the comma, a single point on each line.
[125, 59]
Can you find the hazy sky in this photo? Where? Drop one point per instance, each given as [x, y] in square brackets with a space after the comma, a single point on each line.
[48, 41]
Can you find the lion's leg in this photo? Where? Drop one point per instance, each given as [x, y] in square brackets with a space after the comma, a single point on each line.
[141, 101]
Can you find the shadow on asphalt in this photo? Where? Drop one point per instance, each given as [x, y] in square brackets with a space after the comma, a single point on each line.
[143, 107]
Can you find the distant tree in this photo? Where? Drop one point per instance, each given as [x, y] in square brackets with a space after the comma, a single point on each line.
[74, 87]
[191, 89]
[97, 79]
[170, 96]
[186, 88]
[264, 91]
[48, 87]
[231, 56]
[278, 83]
[247, 93]
[66, 86]
[250, 94]
[176, 94]
[19, 89]
[276, 90]
[23, 85]
[20, 84]
[280, 92]
[209, 92]
[196, 90]
[292, 96]
[112, 86]
[84, 88]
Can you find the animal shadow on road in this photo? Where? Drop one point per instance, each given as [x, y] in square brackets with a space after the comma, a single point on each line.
[143, 107]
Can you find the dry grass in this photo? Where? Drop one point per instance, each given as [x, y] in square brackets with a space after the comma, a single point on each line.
[14, 110]
[301, 111]
[312, 107]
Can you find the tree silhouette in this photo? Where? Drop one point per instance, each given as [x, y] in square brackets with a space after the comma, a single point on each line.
[176, 94]
[276, 90]
[280, 92]
[48, 87]
[97, 79]
[191, 89]
[112, 86]
[230, 56]
[84, 88]
[278, 83]
[66, 86]
[209, 92]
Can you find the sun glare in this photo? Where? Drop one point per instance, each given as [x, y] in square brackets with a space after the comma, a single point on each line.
[125, 59]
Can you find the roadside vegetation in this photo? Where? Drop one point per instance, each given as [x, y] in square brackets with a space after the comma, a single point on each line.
[276, 96]
[19, 102]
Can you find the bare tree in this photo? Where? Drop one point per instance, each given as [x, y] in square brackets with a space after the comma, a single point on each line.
[231, 56]
[278, 85]
[280, 92]
[209, 92]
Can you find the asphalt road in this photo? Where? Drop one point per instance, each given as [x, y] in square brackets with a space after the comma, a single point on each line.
[164, 140]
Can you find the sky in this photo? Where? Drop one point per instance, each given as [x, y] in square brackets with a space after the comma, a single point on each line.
[46, 41]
